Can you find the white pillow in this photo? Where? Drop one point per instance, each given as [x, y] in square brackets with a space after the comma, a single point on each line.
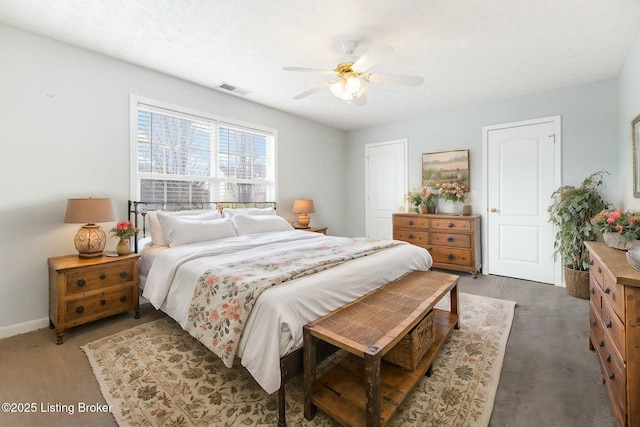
[155, 228]
[249, 224]
[180, 230]
[228, 213]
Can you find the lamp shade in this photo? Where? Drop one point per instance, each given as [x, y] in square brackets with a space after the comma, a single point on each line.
[89, 211]
[303, 206]
[90, 239]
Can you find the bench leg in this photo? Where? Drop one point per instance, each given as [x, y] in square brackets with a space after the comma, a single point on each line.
[455, 304]
[282, 419]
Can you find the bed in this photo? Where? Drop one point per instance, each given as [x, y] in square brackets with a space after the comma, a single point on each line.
[297, 275]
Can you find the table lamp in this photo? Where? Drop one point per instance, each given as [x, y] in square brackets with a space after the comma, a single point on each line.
[302, 207]
[90, 239]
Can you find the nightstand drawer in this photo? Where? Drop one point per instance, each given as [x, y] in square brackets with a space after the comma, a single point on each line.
[614, 328]
[420, 238]
[613, 294]
[452, 240]
[104, 303]
[87, 279]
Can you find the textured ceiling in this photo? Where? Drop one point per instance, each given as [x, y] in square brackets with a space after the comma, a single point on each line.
[468, 52]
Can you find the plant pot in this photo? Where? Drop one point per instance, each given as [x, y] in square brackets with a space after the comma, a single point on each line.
[123, 247]
[617, 240]
[450, 207]
[577, 282]
[426, 209]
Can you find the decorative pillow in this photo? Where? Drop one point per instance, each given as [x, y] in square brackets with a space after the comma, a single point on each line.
[228, 213]
[254, 224]
[180, 230]
[155, 228]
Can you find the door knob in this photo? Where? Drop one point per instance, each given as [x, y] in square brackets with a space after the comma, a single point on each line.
[493, 210]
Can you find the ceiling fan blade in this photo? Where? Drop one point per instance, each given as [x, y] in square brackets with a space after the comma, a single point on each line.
[308, 70]
[312, 90]
[394, 79]
[372, 57]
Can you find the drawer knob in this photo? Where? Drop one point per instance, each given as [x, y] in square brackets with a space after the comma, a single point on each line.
[449, 239]
[601, 344]
[608, 359]
[103, 276]
[599, 270]
[102, 302]
[450, 225]
[79, 309]
[612, 376]
[593, 290]
[594, 323]
[410, 236]
[81, 282]
[590, 262]
[410, 222]
[450, 257]
[607, 291]
[123, 298]
[608, 324]
[123, 274]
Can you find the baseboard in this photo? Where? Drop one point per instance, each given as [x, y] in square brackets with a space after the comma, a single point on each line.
[21, 328]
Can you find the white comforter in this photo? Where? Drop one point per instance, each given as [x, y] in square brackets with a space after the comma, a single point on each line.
[274, 327]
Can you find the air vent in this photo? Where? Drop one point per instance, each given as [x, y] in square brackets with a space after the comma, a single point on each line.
[231, 88]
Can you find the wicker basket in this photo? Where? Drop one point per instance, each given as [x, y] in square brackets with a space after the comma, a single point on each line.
[577, 283]
[410, 350]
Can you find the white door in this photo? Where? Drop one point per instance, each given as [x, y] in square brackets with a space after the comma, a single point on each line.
[522, 171]
[386, 186]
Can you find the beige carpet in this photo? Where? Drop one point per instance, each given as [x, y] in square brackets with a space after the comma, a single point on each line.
[158, 375]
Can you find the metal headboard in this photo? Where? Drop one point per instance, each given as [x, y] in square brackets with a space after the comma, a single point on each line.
[138, 210]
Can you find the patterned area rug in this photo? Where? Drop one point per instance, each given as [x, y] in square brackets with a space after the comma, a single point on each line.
[156, 374]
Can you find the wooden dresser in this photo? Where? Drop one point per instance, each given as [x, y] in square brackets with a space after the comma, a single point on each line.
[84, 290]
[452, 240]
[614, 331]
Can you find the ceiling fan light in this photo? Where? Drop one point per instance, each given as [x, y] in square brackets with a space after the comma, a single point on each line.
[353, 84]
[340, 91]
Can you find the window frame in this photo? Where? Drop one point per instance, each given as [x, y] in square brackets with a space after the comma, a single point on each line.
[217, 121]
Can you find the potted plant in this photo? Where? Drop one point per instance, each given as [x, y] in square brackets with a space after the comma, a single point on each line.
[452, 196]
[571, 211]
[423, 200]
[619, 228]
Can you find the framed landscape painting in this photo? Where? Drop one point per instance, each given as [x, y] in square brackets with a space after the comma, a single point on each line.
[445, 166]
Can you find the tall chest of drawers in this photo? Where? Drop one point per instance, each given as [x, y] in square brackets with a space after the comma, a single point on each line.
[452, 240]
[614, 329]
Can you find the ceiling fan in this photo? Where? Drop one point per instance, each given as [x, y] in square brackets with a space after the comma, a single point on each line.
[352, 77]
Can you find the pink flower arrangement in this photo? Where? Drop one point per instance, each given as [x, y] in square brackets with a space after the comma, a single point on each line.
[454, 191]
[620, 221]
[124, 230]
[421, 197]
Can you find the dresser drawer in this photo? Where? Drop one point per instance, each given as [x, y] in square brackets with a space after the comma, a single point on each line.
[614, 370]
[450, 256]
[596, 333]
[94, 306]
[596, 271]
[613, 294]
[410, 221]
[596, 293]
[420, 238]
[614, 328]
[452, 240]
[451, 224]
[87, 279]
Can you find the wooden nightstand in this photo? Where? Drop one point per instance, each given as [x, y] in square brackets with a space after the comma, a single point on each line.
[84, 290]
[322, 230]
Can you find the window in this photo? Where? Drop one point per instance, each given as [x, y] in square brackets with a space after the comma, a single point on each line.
[186, 157]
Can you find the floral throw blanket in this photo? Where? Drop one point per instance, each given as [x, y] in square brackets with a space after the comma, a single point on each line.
[225, 295]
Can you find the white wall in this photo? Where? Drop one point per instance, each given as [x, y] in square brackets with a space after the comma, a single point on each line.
[589, 135]
[629, 108]
[64, 124]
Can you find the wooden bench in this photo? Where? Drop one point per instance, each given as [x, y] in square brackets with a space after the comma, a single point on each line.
[350, 392]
